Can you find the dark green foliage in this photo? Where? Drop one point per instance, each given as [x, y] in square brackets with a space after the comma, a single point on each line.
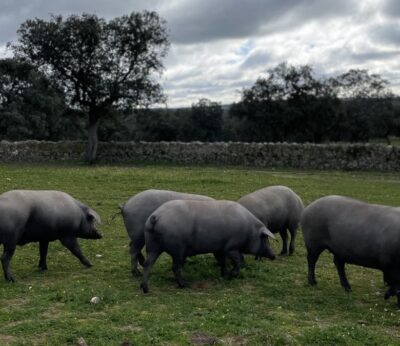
[206, 121]
[154, 125]
[291, 104]
[100, 65]
[368, 109]
[202, 122]
[30, 105]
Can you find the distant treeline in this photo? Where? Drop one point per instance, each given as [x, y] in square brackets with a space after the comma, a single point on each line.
[288, 104]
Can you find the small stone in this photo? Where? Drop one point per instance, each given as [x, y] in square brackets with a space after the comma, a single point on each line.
[82, 342]
[99, 255]
[95, 300]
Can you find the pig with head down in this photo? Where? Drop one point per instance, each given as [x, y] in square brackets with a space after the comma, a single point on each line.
[184, 228]
[279, 208]
[43, 216]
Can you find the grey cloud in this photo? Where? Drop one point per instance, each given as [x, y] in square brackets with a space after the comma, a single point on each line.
[13, 13]
[388, 33]
[256, 59]
[205, 20]
[375, 55]
[392, 8]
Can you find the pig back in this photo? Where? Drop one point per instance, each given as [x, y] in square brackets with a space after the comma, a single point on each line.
[278, 207]
[139, 207]
[204, 226]
[357, 232]
[41, 215]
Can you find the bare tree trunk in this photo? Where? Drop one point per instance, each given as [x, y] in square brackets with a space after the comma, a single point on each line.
[91, 149]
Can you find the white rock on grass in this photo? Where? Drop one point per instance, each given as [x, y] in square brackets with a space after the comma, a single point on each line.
[95, 300]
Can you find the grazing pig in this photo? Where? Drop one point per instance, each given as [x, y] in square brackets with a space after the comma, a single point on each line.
[279, 208]
[184, 228]
[42, 216]
[135, 213]
[354, 232]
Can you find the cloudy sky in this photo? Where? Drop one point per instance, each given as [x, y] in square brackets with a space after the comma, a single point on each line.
[219, 47]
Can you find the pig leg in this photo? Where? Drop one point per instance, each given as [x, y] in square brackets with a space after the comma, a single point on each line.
[242, 261]
[391, 290]
[284, 237]
[342, 273]
[293, 233]
[235, 256]
[135, 246]
[72, 245]
[8, 252]
[176, 268]
[148, 264]
[43, 247]
[221, 261]
[392, 277]
[312, 258]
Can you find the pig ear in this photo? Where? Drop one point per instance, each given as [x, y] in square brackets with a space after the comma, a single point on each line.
[266, 232]
[92, 215]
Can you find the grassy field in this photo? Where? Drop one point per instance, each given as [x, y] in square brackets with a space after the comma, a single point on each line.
[269, 304]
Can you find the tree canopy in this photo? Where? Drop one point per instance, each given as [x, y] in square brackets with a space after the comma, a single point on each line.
[99, 64]
[292, 104]
[30, 105]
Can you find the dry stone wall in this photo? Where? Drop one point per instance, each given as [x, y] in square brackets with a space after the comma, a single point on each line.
[286, 155]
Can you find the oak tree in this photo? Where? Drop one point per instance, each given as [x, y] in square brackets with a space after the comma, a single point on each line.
[101, 65]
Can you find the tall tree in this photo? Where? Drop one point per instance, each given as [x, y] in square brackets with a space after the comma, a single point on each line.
[289, 104]
[368, 105]
[100, 64]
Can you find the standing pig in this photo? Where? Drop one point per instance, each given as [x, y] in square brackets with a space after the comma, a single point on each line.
[279, 208]
[354, 232]
[135, 213]
[184, 228]
[42, 216]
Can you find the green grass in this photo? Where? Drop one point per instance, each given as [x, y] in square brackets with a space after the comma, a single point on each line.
[270, 302]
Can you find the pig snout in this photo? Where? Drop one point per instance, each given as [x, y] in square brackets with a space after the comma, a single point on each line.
[271, 256]
[268, 253]
[95, 234]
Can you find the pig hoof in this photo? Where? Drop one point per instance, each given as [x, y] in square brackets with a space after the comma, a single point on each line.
[144, 287]
[136, 273]
[389, 293]
[42, 268]
[10, 279]
[87, 264]
[312, 282]
[348, 289]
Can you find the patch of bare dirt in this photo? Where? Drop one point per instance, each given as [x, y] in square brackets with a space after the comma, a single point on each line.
[200, 339]
[204, 284]
[234, 340]
[130, 328]
[7, 339]
[55, 311]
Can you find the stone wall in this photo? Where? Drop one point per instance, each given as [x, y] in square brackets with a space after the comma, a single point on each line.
[288, 155]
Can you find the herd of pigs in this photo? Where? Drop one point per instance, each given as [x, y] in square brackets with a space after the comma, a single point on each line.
[185, 225]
